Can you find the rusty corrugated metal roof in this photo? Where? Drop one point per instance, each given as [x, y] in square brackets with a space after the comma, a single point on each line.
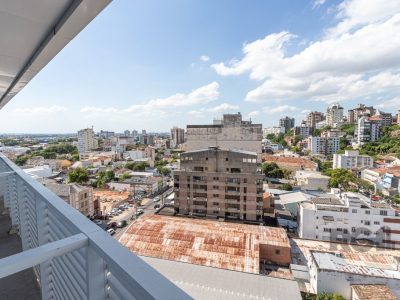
[209, 243]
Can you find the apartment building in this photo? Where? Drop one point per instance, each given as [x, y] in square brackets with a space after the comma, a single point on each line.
[87, 140]
[323, 145]
[229, 133]
[78, 196]
[352, 160]
[286, 122]
[353, 115]
[334, 115]
[273, 130]
[311, 180]
[368, 130]
[303, 130]
[314, 117]
[219, 183]
[147, 139]
[177, 136]
[350, 217]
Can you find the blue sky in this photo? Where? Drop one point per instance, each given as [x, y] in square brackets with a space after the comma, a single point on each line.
[155, 64]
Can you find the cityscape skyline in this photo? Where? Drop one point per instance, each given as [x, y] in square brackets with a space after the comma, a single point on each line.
[216, 73]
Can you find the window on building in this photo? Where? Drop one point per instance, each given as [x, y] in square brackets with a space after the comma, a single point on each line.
[277, 252]
[367, 212]
[377, 222]
[327, 229]
[345, 231]
[226, 159]
[383, 212]
[215, 203]
[339, 229]
[367, 223]
[353, 229]
[354, 211]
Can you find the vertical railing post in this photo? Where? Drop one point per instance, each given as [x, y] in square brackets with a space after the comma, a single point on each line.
[96, 275]
[42, 221]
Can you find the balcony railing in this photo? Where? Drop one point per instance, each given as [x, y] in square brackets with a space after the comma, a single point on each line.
[72, 257]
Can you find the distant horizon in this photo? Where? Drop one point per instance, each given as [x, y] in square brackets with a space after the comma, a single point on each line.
[153, 64]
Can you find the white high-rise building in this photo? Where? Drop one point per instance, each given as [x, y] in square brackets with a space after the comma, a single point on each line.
[351, 159]
[334, 115]
[87, 140]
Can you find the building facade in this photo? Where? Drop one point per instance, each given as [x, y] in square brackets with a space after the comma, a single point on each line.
[273, 130]
[349, 218]
[78, 196]
[323, 145]
[177, 136]
[286, 122]
[313, 118]
[352, 160]
[303, 130]
[353, 115]
[368, 130]
[220, 184]
[87, 140]
[229, 133]
[334, 115]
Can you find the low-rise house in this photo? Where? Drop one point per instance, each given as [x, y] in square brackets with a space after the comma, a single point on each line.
[40, 171]
[349, 218]
[326, 267]
[291, 163]
[311, 180]
[352, 160]
[78, 196]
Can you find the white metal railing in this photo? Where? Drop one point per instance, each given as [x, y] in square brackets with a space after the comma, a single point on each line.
[73, 258]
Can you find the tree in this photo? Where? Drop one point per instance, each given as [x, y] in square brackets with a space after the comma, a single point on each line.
[341, 178]
[21, 160]
[79, 175]
[326, 296]
[163, 170]
[287, 187]
[104, 177]
[140, 166]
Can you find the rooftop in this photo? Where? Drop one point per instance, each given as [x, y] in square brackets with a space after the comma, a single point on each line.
[373, 292]
[202, 282]
[353, 254]
[331, 262]
[297, 161]
[209, 243]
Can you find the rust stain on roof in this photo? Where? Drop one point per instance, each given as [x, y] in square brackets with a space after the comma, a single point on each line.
[209, 243]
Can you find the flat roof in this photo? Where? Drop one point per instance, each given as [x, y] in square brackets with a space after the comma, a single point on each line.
[202, 282]
[373, 292]
[331, 262]
[353, 254]
[216, 244]
[33, 33]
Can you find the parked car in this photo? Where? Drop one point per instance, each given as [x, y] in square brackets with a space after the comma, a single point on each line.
[122, 223]
[139, 212]
[157, 206]
[111, 231]
[112, 225]
[156, 199]
[98, 222]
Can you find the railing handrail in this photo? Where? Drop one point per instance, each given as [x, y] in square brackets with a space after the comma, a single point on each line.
[131, 272]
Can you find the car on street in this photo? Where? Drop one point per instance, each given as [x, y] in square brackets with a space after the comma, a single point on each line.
[139, 212]
[111, 231]
[98, 222]
[156, 199]
[122, 224]
[157, 206]
[112, 225]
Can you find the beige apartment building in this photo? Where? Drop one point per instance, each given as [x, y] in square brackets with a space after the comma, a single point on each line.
[232, 132]
[219, 183]
[78, 196]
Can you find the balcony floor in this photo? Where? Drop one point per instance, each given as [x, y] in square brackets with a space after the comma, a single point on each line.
[22, 285]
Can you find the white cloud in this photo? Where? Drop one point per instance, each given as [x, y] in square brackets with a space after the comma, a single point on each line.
[253, 114]
[391, 103]
[279, 109]
[204, 58]
[40, 110]
[358, 57]
[318, 3]
[202, 95]
[224, 107]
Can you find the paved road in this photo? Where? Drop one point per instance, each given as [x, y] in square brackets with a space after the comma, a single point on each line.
[148, 208]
